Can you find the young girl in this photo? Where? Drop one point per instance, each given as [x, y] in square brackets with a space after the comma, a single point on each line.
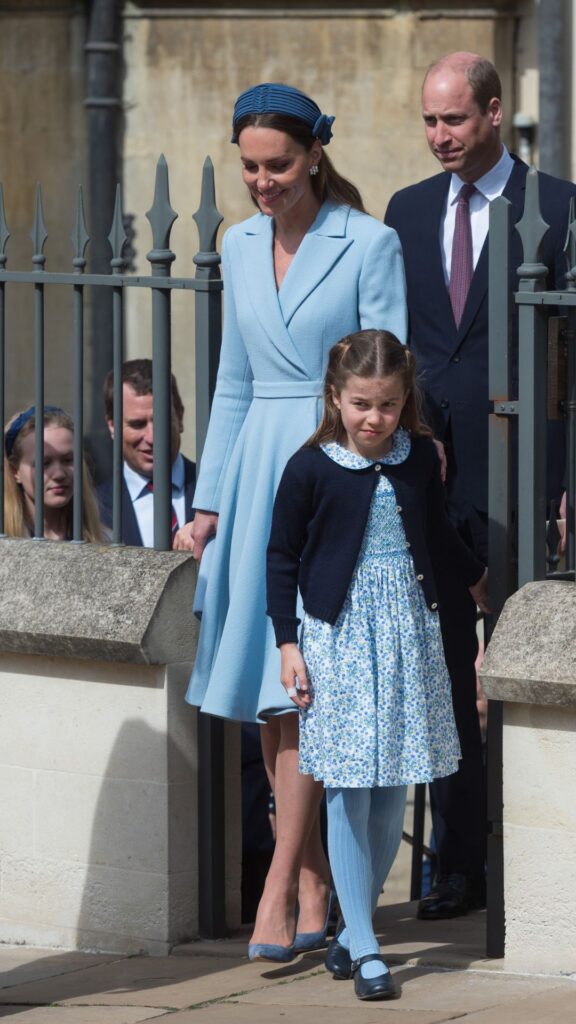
[19, 478]
[359, 528]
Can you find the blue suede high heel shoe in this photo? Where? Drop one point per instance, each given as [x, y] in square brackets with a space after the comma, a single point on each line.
[305, 942]
[267, 951]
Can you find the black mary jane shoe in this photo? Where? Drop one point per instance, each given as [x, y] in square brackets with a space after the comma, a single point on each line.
[338, 960]
[381, 987]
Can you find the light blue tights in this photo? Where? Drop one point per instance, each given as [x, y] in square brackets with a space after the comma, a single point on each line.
[364, 832]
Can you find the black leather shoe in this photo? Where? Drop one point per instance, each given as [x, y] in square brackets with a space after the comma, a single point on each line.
[451, 896]
[338, 960]
[381, 987]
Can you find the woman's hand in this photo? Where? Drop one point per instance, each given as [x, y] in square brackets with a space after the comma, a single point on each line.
[195, 535]
[480, 593]
[294, 677]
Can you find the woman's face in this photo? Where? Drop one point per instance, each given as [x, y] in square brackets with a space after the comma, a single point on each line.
[276, 169]
[58, 467]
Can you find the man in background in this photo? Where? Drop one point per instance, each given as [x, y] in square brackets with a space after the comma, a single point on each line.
[138, 452]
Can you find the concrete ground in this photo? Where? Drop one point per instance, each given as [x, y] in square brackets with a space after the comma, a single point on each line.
[439, 967]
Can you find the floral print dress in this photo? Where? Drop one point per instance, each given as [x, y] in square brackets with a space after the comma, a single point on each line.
[382, 708]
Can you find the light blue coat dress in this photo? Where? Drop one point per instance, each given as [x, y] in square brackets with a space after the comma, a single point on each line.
[346, 275]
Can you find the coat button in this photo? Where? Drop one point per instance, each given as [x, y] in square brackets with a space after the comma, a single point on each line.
[420, 577]
[377, 468]
[444, 403]
[434, 606]
[455, 359]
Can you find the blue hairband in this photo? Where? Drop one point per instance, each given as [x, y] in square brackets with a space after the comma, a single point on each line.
[275, 98]
[17, 424]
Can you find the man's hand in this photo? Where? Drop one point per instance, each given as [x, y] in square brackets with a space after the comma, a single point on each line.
[294, 677]
[195, 535]
[480, 593]
[442, 456]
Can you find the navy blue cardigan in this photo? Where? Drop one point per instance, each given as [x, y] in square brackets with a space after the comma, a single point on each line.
[318, 523]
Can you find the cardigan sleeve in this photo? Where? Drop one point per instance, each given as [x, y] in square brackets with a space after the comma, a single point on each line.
[232, 398]
[447, 549]
[290, 517]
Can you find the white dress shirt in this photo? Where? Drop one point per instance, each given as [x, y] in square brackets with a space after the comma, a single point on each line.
[488, 187]
[143, 500]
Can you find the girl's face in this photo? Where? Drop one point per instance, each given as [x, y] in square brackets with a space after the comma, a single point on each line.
[276, 169]
[58, 467]
[370, 409]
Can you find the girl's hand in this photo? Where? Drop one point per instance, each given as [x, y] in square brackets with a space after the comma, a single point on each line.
[195, 535]
[480, 593]
[294, 677]
[441, 452]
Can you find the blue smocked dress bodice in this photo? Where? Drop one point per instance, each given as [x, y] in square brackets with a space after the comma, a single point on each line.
[382, 707]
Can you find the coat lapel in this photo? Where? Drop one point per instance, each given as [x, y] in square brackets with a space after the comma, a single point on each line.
[429, 233]
[257, 271]
[319, 250]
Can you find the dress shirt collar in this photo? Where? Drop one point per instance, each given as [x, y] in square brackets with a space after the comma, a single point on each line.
[137, 483]
[491, 184]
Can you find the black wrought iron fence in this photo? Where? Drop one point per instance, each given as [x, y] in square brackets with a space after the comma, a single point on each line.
[524, 539]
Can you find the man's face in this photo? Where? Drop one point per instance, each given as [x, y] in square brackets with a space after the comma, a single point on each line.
[461, 137]
[138, 433]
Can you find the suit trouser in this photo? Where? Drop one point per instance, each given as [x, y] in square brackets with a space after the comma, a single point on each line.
[458, 801]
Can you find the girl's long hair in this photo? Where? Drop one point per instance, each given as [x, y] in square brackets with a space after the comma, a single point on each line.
[16, 520]
[327, 184]
[368, 354]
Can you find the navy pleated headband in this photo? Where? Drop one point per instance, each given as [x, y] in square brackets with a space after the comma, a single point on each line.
[275, 98]
[17, 424]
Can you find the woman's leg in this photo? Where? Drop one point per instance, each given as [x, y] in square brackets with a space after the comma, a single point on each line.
[299, 868]
[351, 862]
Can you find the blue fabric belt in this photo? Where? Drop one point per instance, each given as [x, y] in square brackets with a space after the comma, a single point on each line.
[288, 388]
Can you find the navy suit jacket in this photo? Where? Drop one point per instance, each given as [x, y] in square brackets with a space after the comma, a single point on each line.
[452, 362]
[130, 530]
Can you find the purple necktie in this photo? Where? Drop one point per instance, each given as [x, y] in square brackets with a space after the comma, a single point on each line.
[462, 265]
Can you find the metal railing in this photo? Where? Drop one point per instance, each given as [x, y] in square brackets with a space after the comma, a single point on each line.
[207, 288]
[518, 512]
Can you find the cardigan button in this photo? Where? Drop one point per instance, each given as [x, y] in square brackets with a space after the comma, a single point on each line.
[407, 543]
[377, 468]
[398, 508]
[434, 606]
[420, 577]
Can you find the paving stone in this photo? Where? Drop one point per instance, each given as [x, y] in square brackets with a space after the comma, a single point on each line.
[170, 982]
[22, 964]
[555, 1006]
[364, 1013]
[440, 992]
[81, 1014]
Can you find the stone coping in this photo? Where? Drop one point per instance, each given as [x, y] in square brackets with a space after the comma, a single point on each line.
[96, 601]
[531, 657]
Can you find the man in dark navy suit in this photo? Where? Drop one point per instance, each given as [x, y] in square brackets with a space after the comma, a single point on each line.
[137, 448]
[443, 226]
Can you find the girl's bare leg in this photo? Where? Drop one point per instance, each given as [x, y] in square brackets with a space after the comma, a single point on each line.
[299, 869]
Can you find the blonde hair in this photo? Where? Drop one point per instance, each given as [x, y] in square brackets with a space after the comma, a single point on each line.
[16, 520]
[368, 354]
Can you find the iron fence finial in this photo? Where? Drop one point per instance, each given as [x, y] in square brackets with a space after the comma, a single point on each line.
[79, 236]
[38, 235]
[208, 219]
[531, 227]
[117, 236]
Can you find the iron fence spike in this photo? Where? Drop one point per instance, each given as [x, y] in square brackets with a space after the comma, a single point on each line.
[570, 246]
[79, 236]
[161, 215]
[532, 227]
[207, 217]
[117, 236]
[4, 232]
[38, 235]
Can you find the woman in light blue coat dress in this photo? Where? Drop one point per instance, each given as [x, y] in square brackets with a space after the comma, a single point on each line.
[308, 268]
